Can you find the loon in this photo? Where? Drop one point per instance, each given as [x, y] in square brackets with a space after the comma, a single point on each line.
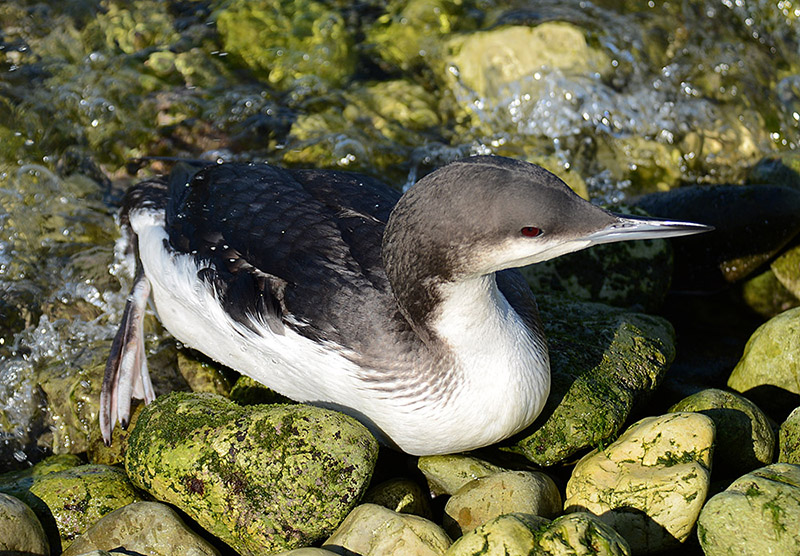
[406, 312]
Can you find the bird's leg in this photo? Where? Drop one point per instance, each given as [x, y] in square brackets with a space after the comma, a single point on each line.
[126, 374]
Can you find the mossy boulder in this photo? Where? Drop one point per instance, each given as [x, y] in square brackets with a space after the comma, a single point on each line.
[744, 437]
[629, 274]
[767, 296]
[650, 484]
[787, 270]
[265, 477]
[523, 534]
[757, 514]
[372, 530]
[769, 370]
[69, 501]
[603, 361]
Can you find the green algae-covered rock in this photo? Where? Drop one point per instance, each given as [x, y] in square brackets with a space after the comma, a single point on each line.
[448, 473]
[777, 169]
[628, 274]
[506, 492]
[69, 501]
[787, 270]
[757, 514]
[771, 358]
[290, 44]
[650, 484]
[372, 530]
[261, 478]
[744, 437]
[20, 529]
[146, 527]
[767, 296]
[789, 438]
[402, 496]
[603, 360]
[523, 534]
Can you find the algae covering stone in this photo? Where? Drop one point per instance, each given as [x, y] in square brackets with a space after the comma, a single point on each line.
[766, 295]
[507, 535]
[144, 527]
[787, 270]
[68, 502]
[603, 360]
[789, 438]
[528, 492]
[629, 274]
[744, 437]
[261, 478]
[771, 358]
[447, 474]
[372, 530]
[291, 43]
[523, 534]
[757, 514]
[650, 484]
[20, 529]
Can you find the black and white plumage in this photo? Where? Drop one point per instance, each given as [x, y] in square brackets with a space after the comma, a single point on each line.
[332, 289]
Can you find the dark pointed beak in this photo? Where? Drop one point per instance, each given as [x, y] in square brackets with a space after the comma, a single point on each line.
[627, 227]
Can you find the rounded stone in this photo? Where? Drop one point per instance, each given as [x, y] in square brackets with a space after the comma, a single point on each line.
[528, 492]
[446, 474]
[650, 484]
[770, 365]
[789, 438]
[372, 530]
[147, 527]
[757, 514]
[20, 529]
[261, 478]
[308, 551]
[581, 533]
[736, 420]
[400, 495]
[512, 534]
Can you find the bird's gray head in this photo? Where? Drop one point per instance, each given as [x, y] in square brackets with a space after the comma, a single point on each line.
[486, 213]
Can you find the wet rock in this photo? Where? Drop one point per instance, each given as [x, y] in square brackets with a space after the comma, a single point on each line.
[489, 62]
[402, 496]
[769, 370]
[447, 474]
[752, 224]
[648, 165]
[527, 492]
[524, 534]
[789, 438]
[650, 484]
[629, 274]
[147, 527]
[767, 296]
[744, 438]
[299, 44]
[246, 391]
[20, 529]
[290, 473]
[603, 361]
[202, 375]
[69, 501]
[757, 514]
[372, 530]
[308, 551]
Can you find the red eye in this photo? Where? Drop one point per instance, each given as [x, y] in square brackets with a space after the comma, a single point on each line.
[530, 231]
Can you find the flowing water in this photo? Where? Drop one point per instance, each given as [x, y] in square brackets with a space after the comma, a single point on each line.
[618, 98]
